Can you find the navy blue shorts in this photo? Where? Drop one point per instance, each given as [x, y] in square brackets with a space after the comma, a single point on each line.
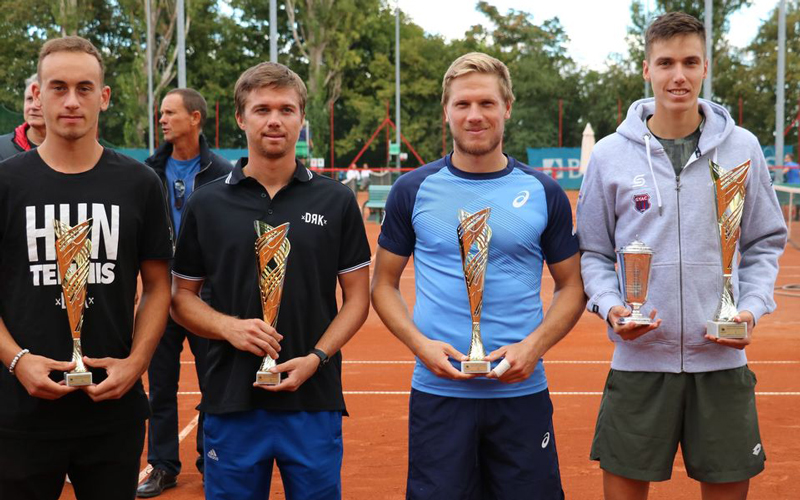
[242, 447]
[482, 449]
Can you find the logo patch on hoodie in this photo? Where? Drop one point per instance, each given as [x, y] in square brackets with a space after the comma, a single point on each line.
[641, 202]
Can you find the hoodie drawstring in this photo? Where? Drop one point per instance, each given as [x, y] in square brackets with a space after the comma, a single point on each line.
[652, 174]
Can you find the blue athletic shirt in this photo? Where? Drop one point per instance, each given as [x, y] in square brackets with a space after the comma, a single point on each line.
[531, 221]
[793, 176]
[185, 170]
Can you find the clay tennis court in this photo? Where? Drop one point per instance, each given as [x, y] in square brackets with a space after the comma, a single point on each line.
[377, 373]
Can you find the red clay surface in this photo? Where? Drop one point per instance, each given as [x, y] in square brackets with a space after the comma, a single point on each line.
[375, 434]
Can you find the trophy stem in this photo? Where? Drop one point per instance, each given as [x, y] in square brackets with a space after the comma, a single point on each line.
[267, 363]
[266, 377]
[723, 326]
[636, 316]
[77, 356]
[80, 376]
[476, 363]
[726, 309]
[476, 350]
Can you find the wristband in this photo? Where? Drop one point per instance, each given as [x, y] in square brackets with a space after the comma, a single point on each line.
[16, 360]
[323, 357]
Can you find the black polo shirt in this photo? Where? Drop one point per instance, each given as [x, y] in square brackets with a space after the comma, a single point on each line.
[217, 244]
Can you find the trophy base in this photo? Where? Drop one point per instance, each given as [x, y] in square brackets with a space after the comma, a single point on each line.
[726, 329]
[268, 378]
[77, 379]
[642, 320]
[472, 367]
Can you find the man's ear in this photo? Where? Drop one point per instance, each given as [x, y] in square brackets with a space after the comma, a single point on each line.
[105, 97]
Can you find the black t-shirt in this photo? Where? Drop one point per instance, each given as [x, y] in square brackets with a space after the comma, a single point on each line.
[217, 244]
[126, 202]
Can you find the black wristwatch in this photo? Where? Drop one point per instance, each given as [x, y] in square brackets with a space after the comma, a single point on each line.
[323, 358]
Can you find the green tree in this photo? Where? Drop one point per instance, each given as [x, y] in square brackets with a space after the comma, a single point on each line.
[751, 76]
[542, 72]
[606, 95]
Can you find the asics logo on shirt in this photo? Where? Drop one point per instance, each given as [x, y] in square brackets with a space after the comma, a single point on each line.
[546, 440]
[317, 219]
[521, 199]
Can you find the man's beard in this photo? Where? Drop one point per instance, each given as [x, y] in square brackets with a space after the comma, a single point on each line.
[272, 155]
[477, 150]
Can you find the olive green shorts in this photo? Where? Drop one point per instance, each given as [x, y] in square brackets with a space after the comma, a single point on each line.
[645, 415]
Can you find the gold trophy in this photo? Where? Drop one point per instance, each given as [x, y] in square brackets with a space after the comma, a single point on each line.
[633, 267]
[272, 247]
[474, 228]
[729, 191]
[73, 251]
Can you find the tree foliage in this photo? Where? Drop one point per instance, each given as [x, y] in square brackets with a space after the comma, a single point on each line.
[344, 50]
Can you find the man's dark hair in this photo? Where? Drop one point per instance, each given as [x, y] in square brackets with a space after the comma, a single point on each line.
[192, 101]
[670, 25]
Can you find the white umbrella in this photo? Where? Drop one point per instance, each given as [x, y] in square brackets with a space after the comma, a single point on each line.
[587, 144]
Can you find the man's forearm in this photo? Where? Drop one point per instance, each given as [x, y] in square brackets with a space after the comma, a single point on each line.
[151, 319]
[354, 311]
[565, 310]
[393, 311]
[346, 323]
[8, 346]
[189, 311]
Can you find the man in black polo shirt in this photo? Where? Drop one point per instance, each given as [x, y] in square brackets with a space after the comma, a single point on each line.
[298, 422]
[183, 162]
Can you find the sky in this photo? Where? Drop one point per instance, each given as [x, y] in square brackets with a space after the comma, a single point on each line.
[596, 29]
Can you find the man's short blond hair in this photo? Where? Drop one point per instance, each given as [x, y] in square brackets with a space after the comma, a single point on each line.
[268, 74]
[478, 62]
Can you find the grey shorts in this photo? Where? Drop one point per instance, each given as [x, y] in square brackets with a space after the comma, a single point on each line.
[712, 415]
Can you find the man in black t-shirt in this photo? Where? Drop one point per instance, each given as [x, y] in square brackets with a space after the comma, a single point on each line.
[94, 433]
[297, 423]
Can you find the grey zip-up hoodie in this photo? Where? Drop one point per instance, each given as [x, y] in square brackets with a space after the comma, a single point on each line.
[630, 191]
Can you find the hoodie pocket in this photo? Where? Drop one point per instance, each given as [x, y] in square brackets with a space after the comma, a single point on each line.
[702, 289]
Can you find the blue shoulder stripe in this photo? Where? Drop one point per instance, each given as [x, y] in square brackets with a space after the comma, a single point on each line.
[558, 241]
[397, 232]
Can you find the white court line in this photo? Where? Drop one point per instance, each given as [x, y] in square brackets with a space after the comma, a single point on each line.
[551, 362]
[554, 393]
[402, 393]
[370, 362]
[185, 432]
[547, 362]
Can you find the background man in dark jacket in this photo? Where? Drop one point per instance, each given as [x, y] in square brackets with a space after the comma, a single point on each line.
[32, 131]
[184, 162]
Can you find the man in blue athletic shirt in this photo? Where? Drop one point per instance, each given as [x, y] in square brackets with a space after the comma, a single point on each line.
[475, 437]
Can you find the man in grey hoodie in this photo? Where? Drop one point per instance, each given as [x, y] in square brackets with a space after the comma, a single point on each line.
[669, 382]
